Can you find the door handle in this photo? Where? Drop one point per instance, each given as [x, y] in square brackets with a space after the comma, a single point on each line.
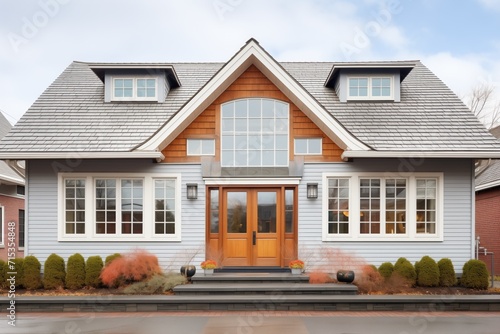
[254, 238]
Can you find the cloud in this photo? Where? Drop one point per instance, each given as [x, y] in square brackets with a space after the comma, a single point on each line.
[491, 4]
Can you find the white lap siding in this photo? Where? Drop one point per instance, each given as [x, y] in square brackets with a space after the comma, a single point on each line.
[42, 213]
[457, 216]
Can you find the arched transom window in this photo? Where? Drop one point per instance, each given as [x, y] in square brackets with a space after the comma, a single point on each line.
[254, 133]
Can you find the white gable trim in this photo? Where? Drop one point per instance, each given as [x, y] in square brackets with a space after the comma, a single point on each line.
[422, 154]
[253, 54]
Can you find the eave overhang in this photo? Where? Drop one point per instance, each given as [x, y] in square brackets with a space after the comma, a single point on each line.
[100, 69]
[404, 69]
[422, 154]
[81, 155]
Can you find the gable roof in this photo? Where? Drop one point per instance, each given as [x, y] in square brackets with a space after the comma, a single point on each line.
[490, 176]
[71, 119]
[7, 174]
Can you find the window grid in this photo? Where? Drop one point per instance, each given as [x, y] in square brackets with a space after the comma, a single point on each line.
[200, 146]
[370, 88]
[370, 206]
[426, 205]
[358, 87]
[105, 193]
[254, 133]
[134, 88]
[74, 206]
[381, 87]
[165, 203]
[132, 206]
[395, 206]
[338, 206]
[306, 146]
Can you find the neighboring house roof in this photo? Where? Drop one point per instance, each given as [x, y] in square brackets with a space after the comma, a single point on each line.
[71, 117]
[490, 177]
[7, 174]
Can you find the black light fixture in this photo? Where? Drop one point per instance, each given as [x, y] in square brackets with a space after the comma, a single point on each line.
[192, 191]
[312, 190]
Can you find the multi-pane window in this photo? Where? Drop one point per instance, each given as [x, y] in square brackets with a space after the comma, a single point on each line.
[369, 206]
[338, 206]
[358, 87]
[146, 88]
[406, 207]
[128, 206]
[376, 88]
[305, 146]
[254, 132]
[74, 206]
[124, 87]
[134, 88]
[426, 205]
[164, 201]
[200, 147]
[105, 206]
[381, 87]
[395, 206]
[132, 206]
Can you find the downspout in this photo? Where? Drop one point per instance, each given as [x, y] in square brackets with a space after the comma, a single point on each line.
[473, 207]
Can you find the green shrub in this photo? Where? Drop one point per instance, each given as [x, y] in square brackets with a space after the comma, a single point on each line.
[386, 270]
[32, 276]
[54, 272]
[406, 270]
[417, 267]
[157, 284]
[111, 257]
[93, 270]
[475, 275]
[428, 272]
[3, 274]
[75, 273]
[447, 275]
[18, 269]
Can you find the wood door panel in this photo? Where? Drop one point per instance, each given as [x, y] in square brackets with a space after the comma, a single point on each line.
[267, 248]
[237, 248]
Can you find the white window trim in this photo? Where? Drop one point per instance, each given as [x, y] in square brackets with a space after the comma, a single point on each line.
[307, 138]
[369, 96]
[134, 96]
[201, 154]
[411, 223]
[148, 209]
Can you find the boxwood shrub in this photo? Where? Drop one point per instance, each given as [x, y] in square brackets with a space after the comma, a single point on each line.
[54, 273]
[428, 272]
[475, 275]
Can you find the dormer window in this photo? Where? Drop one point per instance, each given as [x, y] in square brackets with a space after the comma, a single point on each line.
[370, 88]
[129, 89]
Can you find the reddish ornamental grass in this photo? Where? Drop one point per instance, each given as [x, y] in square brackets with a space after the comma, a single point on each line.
[134, 267]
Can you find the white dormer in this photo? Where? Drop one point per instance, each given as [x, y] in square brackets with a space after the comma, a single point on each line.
[368, 81]
[136, 82]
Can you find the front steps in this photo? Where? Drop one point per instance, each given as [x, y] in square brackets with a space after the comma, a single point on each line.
[262, 291]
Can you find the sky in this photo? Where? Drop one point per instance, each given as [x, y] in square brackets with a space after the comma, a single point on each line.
[459, 40]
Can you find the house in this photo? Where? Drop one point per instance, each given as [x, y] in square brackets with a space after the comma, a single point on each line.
[488, 209]
[251, 162]
[11, 204]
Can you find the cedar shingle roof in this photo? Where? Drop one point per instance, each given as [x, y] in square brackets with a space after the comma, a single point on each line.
[71, 115]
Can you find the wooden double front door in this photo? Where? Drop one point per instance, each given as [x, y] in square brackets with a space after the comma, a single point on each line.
[256, 226]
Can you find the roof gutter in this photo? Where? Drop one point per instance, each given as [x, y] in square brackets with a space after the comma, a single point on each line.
[488, 185]
[423, 154]
[81, 155]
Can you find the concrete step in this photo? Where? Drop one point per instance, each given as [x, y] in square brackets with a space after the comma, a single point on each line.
[224, 278]
[284, 288]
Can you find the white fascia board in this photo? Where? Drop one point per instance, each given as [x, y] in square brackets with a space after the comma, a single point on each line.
[11, 180]
[420, 154]
[488, 185]
[81, 155]
[252, 53]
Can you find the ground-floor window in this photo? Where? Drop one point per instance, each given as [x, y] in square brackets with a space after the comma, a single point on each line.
[380, 207]
[119, 207]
